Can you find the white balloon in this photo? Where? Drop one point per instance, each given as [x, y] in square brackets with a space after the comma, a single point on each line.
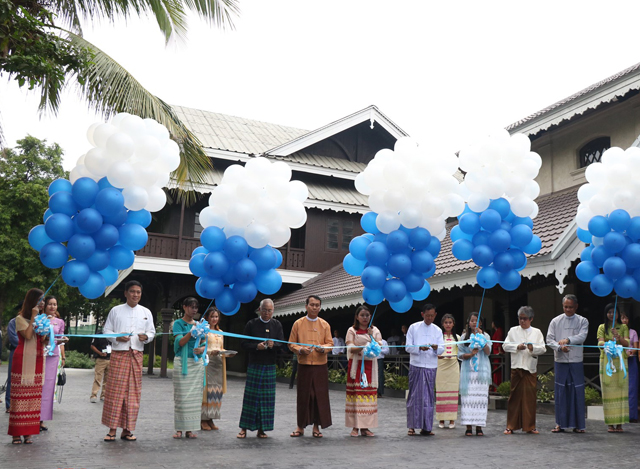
[80, 160]
[611, 156]
[625, 200]
[360, 184]
[102, 132]
[292, 213]
[133, 126]
[443, 234]
[493, 187]
[265, 211]
[239, 214]
[259, 166]
[147, 148]
[90, 131]
[280, 171]
[432, 206]
[388, 221]
[410, 216]
[376, 202]
[167, 160]
[393, 201]
[384, 155]
[300, 222]
[119, 118]
[257, 235]
[95, 160]
[75, 174]
[395, 172]
[208, 217]
[534, 212]
[373, 176]
[478, 202]
[596, 174]
[135, 197]
[532, 190]
[600, 204]
[121, 174]
[434, 225]
[280, 234]
[455, 205]
[586, 192]
[223, 195]
[163, 179]
[299, 191]
[522, 206]
[413, 188]
[597, 241]
[146, 175]
[247, 191]
[157, 199]
[120, 145]
[583, 216]
[405, 146]
[231, 230]
[277, 189]
[520, 143]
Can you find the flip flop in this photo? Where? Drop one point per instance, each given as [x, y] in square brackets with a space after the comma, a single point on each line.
[191, 436]
[242, 434]
[177, 435]
[28, 440]
[317, 435]
[296, 434]
[411, 432]
[468, 433]
[261, 434]
[128, 437]
[16, 441]
[367, 432]
[575, 430]
[508, 431]
[110, 438]
[426, 433]
[534, 431]
[557, 429]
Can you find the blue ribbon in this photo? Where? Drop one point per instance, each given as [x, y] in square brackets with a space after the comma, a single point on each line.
[200, 331]
[42, 326]
[371, 350]
[477, 341]
[613, 350]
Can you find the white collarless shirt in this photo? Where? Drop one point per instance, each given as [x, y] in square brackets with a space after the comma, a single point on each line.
[125, 319]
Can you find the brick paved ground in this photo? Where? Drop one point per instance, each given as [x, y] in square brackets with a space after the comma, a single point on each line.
[75, 439]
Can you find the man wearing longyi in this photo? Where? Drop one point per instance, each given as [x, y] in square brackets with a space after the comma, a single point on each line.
[313, 375]
[124, 387]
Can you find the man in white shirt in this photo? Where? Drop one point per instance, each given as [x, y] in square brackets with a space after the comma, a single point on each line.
[424, 344]
[123, 390]
[338, 343]
[524, 343]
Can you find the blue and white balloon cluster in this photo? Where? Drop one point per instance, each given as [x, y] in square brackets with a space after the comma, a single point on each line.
[612, 260]
[497, 241]
[88, 222]
[232, 272]
[392, 266]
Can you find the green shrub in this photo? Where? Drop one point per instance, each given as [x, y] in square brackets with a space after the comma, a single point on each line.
[337, 376]
[76, 359]
[394, 381]
[592, 396]
[157, 362]
[284, 371]
[504, 388]
[546, 389]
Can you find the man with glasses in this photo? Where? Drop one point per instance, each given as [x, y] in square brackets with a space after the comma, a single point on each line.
[524, 343]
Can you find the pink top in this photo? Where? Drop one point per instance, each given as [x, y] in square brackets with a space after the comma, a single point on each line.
[633, 337]
[58, 328]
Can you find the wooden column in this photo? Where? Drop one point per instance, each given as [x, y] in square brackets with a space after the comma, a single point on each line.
[180, 230]
[167, 316]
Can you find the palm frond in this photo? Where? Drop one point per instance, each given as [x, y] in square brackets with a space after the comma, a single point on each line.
[108, 88]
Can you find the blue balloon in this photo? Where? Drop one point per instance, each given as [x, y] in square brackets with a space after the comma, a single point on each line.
[403, 305]
[94, 286]
[264, 258]
[81, 246]
[109, 202]
[196, 265]
[353, 266]
[377, 253]
[490, 220]
[139, 217]
[500, 240]
[487, 277]
[47, 214]
[213, 238]
[399, 265]
[110, 275]
[84, 192]
[369, 236]
[373, 278]
[423, 293]
[519, 259]
[457, 234]
[54, 255]
[503, 262]
[510, 280]
[244, 292]
[614, 242]
[216, 264]
[380, 238]
[522, 221]
[98, 261]
[599, 226]
[619, 220]
[279, 258]
[462, 249]
[534, 246]
[419, 238]
[394, 290]
[200, 250]
[521, 235]
[117, 220]
[482, 255]
[245, 271]
[209, 287]
[62, 202]
[599, 255]
[372, 297]
[105, 184]
[614, 268]
[430, 272]
[38, 237]
[586, 271]
[434, 247]
[235, 248]
[469, 223]
[106, 237]
[505, 225]
[233, 311]
[120, 257]
[75, 273]
[133, 236]
[631, 255]
[502, 206]
[358, 247]
[422, 261]
[368, 222]
[481, 237]
[601, 285]
[633, 230]
[397, 241]
[88, 220]
[268, 282]
[413, 282]
[585, 255]
[626, 286]
[225, 301]
[60, 185]
[584, 236]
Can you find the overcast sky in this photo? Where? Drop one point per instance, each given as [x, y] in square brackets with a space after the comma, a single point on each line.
[442, 71]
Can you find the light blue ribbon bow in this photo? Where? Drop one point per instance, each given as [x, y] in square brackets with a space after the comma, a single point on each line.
[371, 350]
[613, 350]
[42, 326]
[478, 341]
[200, 330]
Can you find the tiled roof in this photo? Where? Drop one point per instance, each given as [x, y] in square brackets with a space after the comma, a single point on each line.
[230, 133]
[322, 161]
[574, 103]
[555, 214]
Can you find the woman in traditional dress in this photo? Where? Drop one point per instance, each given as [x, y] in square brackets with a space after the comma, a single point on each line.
[51, 361]
[27, 372]
[615, 388]
[475, 378]
[188, 375]
[497, 337]
[448, 375]
[632, 369]
[361, 412]
[216, 373]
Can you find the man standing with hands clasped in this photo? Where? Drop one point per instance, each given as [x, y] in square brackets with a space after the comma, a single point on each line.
[564, 330]
[424, 343]
[124, 386]
[313, 375]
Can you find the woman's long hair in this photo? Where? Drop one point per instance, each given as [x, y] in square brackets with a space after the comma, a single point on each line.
[208, 314]
[46, 302]
[356, 325]
[31, 300]
[445, 317]
[467, 329]
[616, 313]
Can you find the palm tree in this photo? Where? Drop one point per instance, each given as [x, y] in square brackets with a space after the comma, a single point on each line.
[41, 46]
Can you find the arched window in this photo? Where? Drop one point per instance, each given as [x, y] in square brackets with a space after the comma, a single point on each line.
[592, 151]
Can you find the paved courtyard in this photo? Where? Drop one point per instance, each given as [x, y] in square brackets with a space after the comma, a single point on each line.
[74, 439]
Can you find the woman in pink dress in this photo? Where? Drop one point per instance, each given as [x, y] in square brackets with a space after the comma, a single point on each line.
[51, 361]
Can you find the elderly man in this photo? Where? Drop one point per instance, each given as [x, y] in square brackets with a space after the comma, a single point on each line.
[313, 375]
[124, 386]
[258, 405]
[524, 343]
[567, 330]
[424, 342]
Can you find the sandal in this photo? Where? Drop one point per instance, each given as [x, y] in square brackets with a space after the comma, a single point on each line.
[619, 429]
[508, 431]
[28, 440]
[354, 433]
[110, 438]
[426, 433]
[317, 434]
[242, 434]
[213, 425]
[16, 440]
[191, 435]
[557, 429]
[296, 434]
[575, 430]
[261, 434]
[611, 429]
[479, 431]
[177, 435]
[204, 425]
[43, 428]
[411, 432]
[469, 432]
[366, 432]
[534, 431]
[128, 437]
